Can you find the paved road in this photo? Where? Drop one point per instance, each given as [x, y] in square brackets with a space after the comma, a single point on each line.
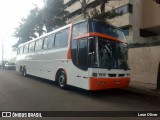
[18, 93]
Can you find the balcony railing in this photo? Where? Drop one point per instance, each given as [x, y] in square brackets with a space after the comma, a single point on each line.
[145, 42]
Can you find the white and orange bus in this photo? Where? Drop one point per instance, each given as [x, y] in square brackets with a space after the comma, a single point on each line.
[89, 54]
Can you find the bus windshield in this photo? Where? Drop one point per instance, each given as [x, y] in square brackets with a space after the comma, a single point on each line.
[108, 54]
[108, 30]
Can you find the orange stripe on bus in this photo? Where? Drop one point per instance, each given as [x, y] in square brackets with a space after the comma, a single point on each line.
[91, 34]
[107, 83]
[69, 44]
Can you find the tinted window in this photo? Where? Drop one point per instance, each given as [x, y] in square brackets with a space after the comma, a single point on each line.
[74, 51]
[82, 28]
[124, 9]
[75, 31]
[45, 43]
[79, 29]
[83, 53]
[58, 40]
[26, 48]
[38, 45]
[108, 30]
[65, 35]
[51, 41]
[31, 47]
[93, 59]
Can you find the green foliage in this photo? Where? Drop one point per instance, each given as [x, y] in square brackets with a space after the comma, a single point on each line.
[54, 14]
[26, 30]
[51, 16]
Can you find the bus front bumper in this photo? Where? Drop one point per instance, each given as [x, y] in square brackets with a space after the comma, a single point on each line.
[108, 83]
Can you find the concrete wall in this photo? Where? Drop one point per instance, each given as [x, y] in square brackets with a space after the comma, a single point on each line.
[150, 14]
[144, 64]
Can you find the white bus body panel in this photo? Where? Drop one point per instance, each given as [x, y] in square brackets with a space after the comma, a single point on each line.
[45, 64]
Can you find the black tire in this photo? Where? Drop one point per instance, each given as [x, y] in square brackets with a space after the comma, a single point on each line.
[24, 72]
[61, 79]
[21, 71]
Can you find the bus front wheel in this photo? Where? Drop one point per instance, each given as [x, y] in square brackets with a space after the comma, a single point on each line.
[21, 71]
[62, 80]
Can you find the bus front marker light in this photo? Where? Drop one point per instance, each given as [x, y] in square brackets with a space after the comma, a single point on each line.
[101, 83]
[128, 74]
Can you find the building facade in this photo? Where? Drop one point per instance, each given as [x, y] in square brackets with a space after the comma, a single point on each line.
[140, 18]
[140, 21]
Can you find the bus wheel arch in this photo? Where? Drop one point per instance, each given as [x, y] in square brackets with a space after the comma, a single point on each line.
[61, 78]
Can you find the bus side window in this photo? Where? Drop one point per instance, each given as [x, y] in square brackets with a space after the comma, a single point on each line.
[51, 41]
[80, 53]
[65, 37]
[58, 39]
[82, 28]
[75, 31]
[74, 52]
[38, 45]
[79, 29]
[26, 48]
[45, 43]
[83, 54]
[31, 47]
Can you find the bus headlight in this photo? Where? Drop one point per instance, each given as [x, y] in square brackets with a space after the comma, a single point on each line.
[94, 74]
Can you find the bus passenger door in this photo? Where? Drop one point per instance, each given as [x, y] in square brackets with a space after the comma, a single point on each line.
[80, 61]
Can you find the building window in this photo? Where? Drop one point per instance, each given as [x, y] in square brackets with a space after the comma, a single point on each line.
[126, 31]
[124, 9]
[146, 33]
[71, 2]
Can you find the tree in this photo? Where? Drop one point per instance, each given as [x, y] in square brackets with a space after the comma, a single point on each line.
[28, 27]
[51, 16]
[54, 14]
[98, 14]
[84, 7]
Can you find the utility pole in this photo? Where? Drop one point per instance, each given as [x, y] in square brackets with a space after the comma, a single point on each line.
[2, 54]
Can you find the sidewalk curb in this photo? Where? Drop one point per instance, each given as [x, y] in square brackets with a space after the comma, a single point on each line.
[153, 93]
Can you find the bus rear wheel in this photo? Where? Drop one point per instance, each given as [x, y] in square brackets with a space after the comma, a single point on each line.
[62, 80]
[24, 73]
